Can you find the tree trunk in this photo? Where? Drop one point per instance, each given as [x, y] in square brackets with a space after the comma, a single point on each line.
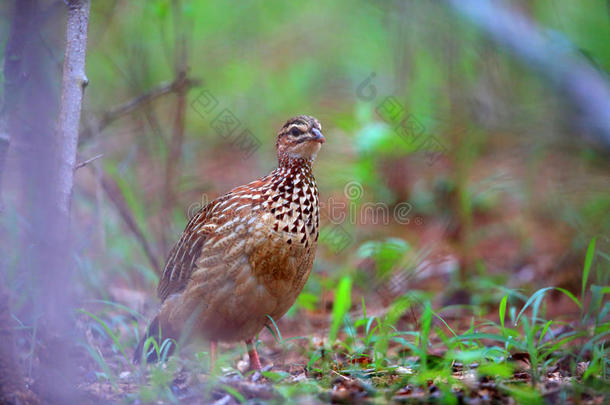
[60, 375]
[43, 147]
[73, 86]
[26, 84]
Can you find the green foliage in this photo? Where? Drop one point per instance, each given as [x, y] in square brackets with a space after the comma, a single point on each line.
[485, 349]
[341, 306]
[388, 255]
[587, 268]
[502, 311]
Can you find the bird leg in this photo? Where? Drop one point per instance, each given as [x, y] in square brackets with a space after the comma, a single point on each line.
[255, 363]
[213, 345]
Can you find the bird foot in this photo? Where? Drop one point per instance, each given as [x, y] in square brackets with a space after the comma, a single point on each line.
[255, 362]
[213, 346]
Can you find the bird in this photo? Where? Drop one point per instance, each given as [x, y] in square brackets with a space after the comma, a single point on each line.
[243, 258]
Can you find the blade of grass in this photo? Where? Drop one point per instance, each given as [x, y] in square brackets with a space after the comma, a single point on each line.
[587, 268]
[544, 331]
[426, 321]
[277, 335]
[99, 359]
[537, 296]
[234, 393]
[502, 311]
[363, 309]
[342, 304]
[125, 308]
[113, 336]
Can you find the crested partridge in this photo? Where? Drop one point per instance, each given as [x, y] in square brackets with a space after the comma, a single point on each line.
[244, 257]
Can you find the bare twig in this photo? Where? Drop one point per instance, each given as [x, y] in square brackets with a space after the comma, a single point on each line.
[129, 106]
[109, 186]
[86, 162]
[113, 192]
[344, 378]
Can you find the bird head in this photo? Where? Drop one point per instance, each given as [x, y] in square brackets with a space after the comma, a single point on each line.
[300, 138]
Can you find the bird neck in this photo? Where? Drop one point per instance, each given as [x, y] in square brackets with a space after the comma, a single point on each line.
[291, 162]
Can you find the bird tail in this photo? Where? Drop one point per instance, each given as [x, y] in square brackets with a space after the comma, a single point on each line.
[163, 346]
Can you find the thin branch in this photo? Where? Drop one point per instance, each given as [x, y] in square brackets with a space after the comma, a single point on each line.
[129, 106]
[109, 186]
[115, 195]
[86, 162]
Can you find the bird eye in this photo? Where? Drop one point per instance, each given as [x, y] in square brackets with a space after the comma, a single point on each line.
[295, 131]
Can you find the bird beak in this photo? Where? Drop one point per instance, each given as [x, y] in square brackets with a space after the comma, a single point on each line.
[318, 137]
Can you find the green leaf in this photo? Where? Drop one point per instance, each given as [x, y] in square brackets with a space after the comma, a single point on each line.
[363, 309]
[275, 376]
[496, 370]
[587, 268]
[98, 357]
[307, 300]
[387, 254]
[502, 310]
[467, 356]
[342, 304]
[426, 321]
[234, 393]
[109, 332]
[125, 308]
[537, 296]
[481, 335]
[523, 394]
[544, 330]
[315, 356]
[275, 331]
[570, 296]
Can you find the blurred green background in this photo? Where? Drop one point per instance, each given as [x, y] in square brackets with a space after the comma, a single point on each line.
[515, 180]
[452, 169]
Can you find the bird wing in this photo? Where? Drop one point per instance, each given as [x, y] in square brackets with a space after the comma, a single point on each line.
[183, 257]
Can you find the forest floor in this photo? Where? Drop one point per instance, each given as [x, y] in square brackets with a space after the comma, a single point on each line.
[530, 326]
[310, 369]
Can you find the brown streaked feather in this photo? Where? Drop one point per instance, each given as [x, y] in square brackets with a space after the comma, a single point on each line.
[183, 256]
[182, 259]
